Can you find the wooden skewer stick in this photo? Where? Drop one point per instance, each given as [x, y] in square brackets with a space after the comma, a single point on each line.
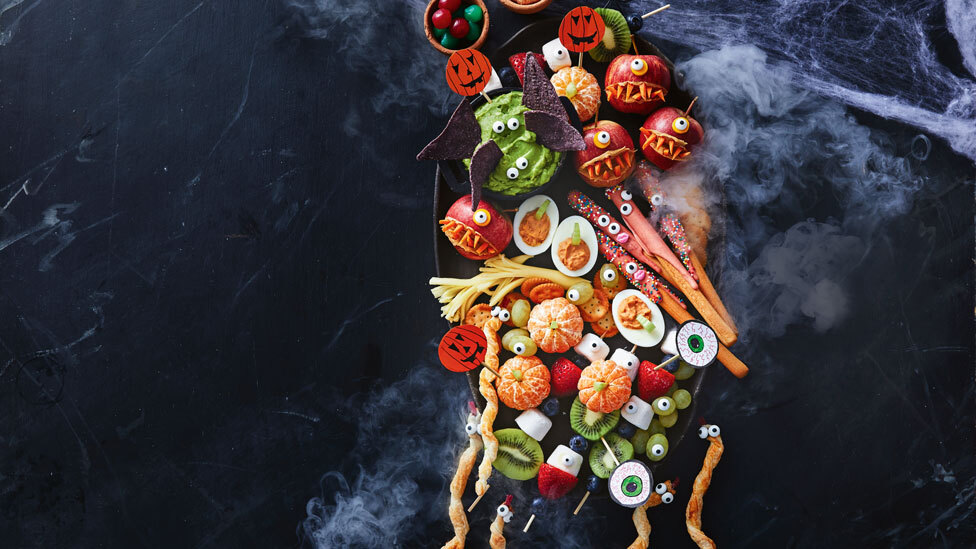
[659, 10]
[633, 350]
[475, 502]
[609, 449]
[528, 524]
[666, 362]
[581, 60]
[492, 370]
[485, 95]
[582, 501]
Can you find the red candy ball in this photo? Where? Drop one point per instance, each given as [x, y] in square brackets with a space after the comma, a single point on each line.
[460, 28]
[441, 18]
[449, 5]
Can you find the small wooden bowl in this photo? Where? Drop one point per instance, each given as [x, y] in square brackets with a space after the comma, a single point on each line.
[526, 9]
[429, 27]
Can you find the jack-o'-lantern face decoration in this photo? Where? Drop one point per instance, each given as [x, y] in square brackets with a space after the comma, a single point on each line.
[581, 30]
[468, 72]
[462, 348]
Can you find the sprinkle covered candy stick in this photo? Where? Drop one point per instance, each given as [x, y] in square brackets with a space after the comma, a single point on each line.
[672, 269]
[602, 219]
[502, 517]
[487, 390]
[636, 274]
[693, 512]
[663, 493]
[465, 463]
[613, 252]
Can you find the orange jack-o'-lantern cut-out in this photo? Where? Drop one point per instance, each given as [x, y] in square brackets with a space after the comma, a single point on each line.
[468, 72]
[462, 348]
[581, 30]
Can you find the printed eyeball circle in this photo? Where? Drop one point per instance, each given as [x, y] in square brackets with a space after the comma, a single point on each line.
[697, 343]
[496, 311]
[609, 275]
[631, 267]
[703, 432]
[504, 315]
[667, 497]
[512, 173]
[602, 139]
[481, 217]
[680, 124]
[626, 195]
[513, 123]
[573, 295]
[522, 161]
[518, 348]
[714, 431]
[613, 228]
[603, 220]
[626, 209]
[471, 428]
[631, 484]
[638, 67]
[498, 126]
[661, 488]
[657, 450]
[657, 200]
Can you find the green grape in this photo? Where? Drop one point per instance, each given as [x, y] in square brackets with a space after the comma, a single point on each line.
[580, 293]
[664, 406]
[671, 390]
[510, 335]
[668, 420]
[682, 399]
[639, 441]
[684, 371]
[523, 345]
[520, 313]
[656, 427]
[657, 447]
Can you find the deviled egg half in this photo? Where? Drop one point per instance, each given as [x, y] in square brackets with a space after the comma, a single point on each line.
[574, 247]
[534, 230]
[647, 336]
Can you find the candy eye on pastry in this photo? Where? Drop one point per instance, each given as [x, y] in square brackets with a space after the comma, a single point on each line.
[680, 124]
[631, 267]
[661, 488]
[602, 139]
[657, 200]
[471, 429]
[522, 161]
[714, 431]
[481, 217]
[512, 173]
[603, 220]
[513, 123]
[498, 126]
[626, 209]
[503, 509]
[667, 497]
[703, 432]
[626, 195]
[613, 228]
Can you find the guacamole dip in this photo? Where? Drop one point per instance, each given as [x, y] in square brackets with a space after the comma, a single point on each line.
[525, 164]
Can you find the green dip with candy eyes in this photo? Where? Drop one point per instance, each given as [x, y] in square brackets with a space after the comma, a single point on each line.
[515, 144]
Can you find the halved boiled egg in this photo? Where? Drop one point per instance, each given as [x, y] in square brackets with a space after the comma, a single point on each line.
[640, 337]
[533, 229]
[574, 247]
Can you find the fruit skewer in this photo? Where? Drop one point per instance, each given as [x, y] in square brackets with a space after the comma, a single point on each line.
[465, 464]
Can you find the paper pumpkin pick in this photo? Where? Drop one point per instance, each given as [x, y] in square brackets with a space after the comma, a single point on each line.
[468, 72]
[581, 29]
[462, 348]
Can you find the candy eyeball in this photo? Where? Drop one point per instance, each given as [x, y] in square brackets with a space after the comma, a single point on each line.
[471, 429]
[512, 173]
[667, 497]
[714, 431]
[680, 124]
[603, 220]
[573, 295]
[703, 432]
[626, 195]
[522, 161]
[503, 509]
[609, 275]
[631, 267]
[569, 461]
[481, 217]
[657, 450]
[498, 126]
[496, 311]
[513, 123]
[661, 488]
[657, 200]
[638, 67]
[626, 209]
[504, 315]
[613, 228]
[602, 139]
[518, 348]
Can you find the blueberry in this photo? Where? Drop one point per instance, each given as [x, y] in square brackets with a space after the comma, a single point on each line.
[538, 504]
[577, 444]
[593, 484]
[551, 406]
[635, 22]
[673, 367]
[626, 430]
[509, 78]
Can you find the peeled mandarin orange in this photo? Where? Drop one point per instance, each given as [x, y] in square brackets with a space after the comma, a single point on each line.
[555, 325]
[581, 88]
[604, 386]
[524, 382]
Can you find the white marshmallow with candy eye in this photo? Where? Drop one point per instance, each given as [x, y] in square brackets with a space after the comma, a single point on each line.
[534, 423]
[626, 360]
[670, 344]
[638, 412]
[556, 54]
[592, 347]
[494, 82]
[564, 459]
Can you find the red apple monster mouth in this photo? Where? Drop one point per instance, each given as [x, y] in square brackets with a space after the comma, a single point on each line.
[665, 145]
[465, 238]
[635, 92]
[609, 164]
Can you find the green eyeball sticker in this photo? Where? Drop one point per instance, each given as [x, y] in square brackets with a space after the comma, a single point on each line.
[697, 343]
[631, 484]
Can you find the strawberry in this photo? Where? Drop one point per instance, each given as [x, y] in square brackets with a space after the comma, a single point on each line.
[555, 483]
[653, 383]
[565, 376]
[517, 62]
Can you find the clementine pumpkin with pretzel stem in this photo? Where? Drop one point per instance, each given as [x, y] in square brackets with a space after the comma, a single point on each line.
[604, 386]
[555, 325]
[524, 382]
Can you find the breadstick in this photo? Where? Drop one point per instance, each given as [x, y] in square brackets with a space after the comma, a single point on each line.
[465, 463]
[641, 523]
[693, 512]
[502, 516]
[491, 407]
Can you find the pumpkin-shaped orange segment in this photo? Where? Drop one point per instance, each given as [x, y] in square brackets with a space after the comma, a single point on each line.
[524, 382]
[604, 386]
[555, 325]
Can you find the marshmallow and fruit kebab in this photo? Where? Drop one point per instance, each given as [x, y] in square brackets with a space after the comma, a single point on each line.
[465, 463]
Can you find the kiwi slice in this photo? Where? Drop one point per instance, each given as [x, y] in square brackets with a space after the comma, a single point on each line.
[616, 39]
[592, 425]
[602, 463]
[519, 455]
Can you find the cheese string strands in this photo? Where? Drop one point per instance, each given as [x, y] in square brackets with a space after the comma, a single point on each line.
[502, 516]
[465, 464]
[487, 390]
[693, 518]
[641, 524]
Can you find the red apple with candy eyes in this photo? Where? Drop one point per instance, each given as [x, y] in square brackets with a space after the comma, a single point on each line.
[609, 155]
[476, 234]
[637, 83]
[668, 135]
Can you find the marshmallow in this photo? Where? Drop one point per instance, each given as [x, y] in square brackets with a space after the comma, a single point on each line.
[638, 412]
[557, 56]
[626, 360]
[592, 347]
[670, 344]
[564, 459]
[534, 423]
[494, 82]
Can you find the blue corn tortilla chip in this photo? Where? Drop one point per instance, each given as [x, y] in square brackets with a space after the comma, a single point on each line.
[538, 93]
[553, 132]
[458, 139]
[483, 162]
